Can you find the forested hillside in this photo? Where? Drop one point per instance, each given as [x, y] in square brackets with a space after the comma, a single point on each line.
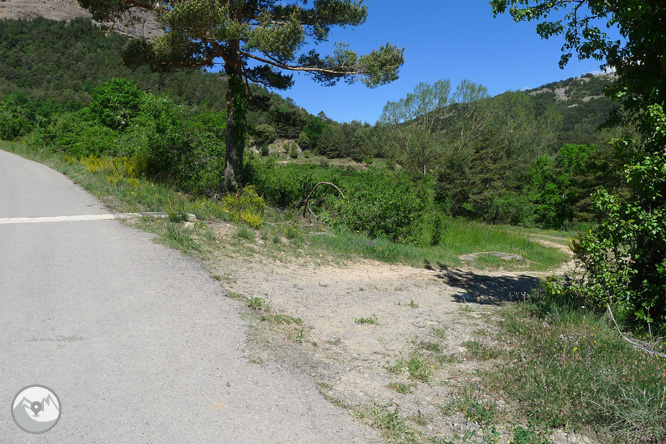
[527, 157]
[64, 62]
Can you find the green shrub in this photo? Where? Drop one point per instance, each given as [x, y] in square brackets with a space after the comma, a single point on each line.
[283, 185]
[252, 206]
[624, 256]
[13, 126]
[16, 119]
[116, 102]
[304, 140]
[437, 229]
[75, 135]
[379, 204]
[293, 150]
[264, 134]
[176, 213]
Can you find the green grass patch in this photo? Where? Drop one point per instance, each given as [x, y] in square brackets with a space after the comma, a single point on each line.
[418, 368]
[394, 429]
[476, 409]
[462, 237]
[481, 351]
[257, 304]
[571, 369]
[431, 347]
[245, 233]
[282, 319]
[415, 365]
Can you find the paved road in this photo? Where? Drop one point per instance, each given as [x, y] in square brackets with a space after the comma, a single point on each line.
[136, 340]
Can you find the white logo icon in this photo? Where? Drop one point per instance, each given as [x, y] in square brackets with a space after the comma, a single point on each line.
[36, 409]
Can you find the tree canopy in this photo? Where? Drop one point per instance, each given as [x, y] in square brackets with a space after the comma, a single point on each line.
[255, 41]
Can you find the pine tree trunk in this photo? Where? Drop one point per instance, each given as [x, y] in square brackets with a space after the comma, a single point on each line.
[236, 121]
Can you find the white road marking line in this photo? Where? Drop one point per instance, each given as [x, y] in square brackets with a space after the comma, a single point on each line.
[37, 220]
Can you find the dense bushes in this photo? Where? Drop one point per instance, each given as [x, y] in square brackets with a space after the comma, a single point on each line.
[65, 62]
[180, 146]
[561, 186]
[624, 255]
[379, 203]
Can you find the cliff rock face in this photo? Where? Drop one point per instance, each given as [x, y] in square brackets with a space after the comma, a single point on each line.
[66, 10]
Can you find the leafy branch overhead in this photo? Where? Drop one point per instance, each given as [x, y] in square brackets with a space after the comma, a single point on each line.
[272, 36]
[626, 35]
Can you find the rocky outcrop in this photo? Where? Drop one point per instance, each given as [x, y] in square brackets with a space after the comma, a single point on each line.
[66, 10]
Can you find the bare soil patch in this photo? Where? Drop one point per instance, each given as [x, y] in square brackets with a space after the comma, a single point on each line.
[366, 320]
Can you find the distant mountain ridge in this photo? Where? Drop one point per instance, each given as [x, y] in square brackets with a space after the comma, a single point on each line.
[66, 10]
[585, 87]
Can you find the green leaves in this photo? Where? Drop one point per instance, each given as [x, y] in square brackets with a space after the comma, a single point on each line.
[623, 255]
[198, 33]
[409, 129]
[279, 39]
[116, 102]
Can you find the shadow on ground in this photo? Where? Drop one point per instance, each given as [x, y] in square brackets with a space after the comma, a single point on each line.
[482, 288]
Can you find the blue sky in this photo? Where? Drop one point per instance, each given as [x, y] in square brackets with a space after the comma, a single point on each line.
[443, 39]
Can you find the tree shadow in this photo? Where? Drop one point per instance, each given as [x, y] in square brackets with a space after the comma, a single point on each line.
[484, 289]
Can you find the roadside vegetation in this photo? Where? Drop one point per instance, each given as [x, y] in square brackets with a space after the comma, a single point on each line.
[473, 174]
[114, 181]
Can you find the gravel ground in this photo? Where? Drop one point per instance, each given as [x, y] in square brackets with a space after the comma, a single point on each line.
[363, 317]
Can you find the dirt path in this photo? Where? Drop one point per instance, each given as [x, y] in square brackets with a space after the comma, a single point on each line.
[367, 321]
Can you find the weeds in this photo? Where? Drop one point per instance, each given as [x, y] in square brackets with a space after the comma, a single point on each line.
[175, 236]
[394, 428]
[397, 367]
[245, 233]
[480, 412]
[481, 351]
[439, 333]
[371, 320]
[256, 304]
[416, 367]
[401, 387]
[570, 369]
[431, 347]
[176, 213]
[465, 308]
[527, 436]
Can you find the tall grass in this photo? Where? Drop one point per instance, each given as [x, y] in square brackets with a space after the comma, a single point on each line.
[461, 237]
[572, 370]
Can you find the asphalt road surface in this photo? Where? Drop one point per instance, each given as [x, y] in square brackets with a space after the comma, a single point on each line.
[139, 344]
